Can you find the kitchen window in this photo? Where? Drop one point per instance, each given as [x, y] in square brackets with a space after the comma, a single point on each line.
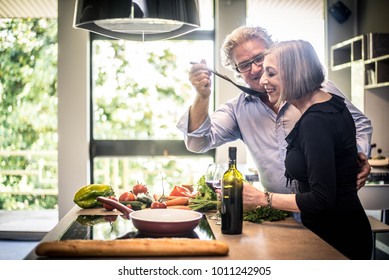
[139, 90]
[29, 131]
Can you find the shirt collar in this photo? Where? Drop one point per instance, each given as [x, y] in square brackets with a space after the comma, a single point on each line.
[251, 97]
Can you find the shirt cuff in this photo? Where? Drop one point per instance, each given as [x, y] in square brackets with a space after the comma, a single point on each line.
[183, 125]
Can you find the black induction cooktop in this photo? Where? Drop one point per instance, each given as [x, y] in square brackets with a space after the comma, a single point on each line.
[110, 227]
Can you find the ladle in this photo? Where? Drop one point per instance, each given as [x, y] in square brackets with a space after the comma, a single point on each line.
[242, 88]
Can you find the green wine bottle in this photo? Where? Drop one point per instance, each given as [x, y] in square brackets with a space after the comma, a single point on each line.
[232, 197]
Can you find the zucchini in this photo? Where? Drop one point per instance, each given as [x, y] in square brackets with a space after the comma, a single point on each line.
[145, 199]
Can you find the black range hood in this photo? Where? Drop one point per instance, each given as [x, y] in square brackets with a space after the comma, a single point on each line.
[137, 20]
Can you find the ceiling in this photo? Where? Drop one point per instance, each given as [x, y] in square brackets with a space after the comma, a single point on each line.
[28, 8]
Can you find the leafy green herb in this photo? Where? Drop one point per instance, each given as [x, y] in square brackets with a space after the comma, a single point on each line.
[206, 198]
[202, 204]
[205, 192]
[261, 214]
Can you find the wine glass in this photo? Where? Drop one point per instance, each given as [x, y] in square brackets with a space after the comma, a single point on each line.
[213, 178]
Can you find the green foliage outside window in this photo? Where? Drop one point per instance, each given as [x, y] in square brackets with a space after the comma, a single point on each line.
[28, 111]
[140, 89]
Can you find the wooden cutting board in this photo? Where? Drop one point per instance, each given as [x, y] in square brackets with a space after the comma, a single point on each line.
[132, 248]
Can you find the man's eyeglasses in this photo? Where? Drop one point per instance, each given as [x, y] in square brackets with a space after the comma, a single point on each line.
[246, 66]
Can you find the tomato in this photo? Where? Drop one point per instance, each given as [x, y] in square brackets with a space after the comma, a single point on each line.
[129, 206]
[157, 204]
[180, 191]
[107, 206]
[139, 188]
[127, 196]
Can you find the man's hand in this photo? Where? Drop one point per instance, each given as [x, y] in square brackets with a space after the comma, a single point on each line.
[200, 78]
[364, 170]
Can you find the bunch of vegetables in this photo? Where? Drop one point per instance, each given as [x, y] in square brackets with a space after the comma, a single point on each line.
[205, 199]
[138, 198]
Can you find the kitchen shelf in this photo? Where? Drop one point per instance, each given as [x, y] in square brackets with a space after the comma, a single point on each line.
[372, 49]
[377, 72]
[377, 45]
[380, 85]
[383, 71]
[344, 53]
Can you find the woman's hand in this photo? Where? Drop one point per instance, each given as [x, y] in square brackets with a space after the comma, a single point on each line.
[251, 196]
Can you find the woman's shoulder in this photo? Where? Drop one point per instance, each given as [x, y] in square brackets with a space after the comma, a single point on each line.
[335, 104]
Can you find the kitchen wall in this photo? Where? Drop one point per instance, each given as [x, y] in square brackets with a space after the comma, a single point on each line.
[73, 107]
[373, 16]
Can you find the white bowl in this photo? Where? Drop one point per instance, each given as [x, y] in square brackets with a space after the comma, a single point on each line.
[165, 221]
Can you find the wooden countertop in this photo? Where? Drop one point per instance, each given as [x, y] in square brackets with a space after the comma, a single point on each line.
[282, 240]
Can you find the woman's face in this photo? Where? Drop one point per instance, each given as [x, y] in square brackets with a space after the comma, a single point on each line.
[270, 79]
[246, 52]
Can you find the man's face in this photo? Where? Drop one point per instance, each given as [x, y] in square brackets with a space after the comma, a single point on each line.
[246, 53]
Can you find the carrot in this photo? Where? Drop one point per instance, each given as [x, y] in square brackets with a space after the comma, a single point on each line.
[170, 197]
[177, 201]
[182, 207]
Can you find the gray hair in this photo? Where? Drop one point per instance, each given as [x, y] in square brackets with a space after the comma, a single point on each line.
[301, 72]
[239, 36]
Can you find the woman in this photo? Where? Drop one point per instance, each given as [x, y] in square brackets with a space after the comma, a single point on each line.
[321, 153]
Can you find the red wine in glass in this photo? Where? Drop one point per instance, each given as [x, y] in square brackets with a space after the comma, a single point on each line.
[214, 184]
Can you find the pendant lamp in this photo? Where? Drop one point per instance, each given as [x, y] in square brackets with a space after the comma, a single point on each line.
[137, 20]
